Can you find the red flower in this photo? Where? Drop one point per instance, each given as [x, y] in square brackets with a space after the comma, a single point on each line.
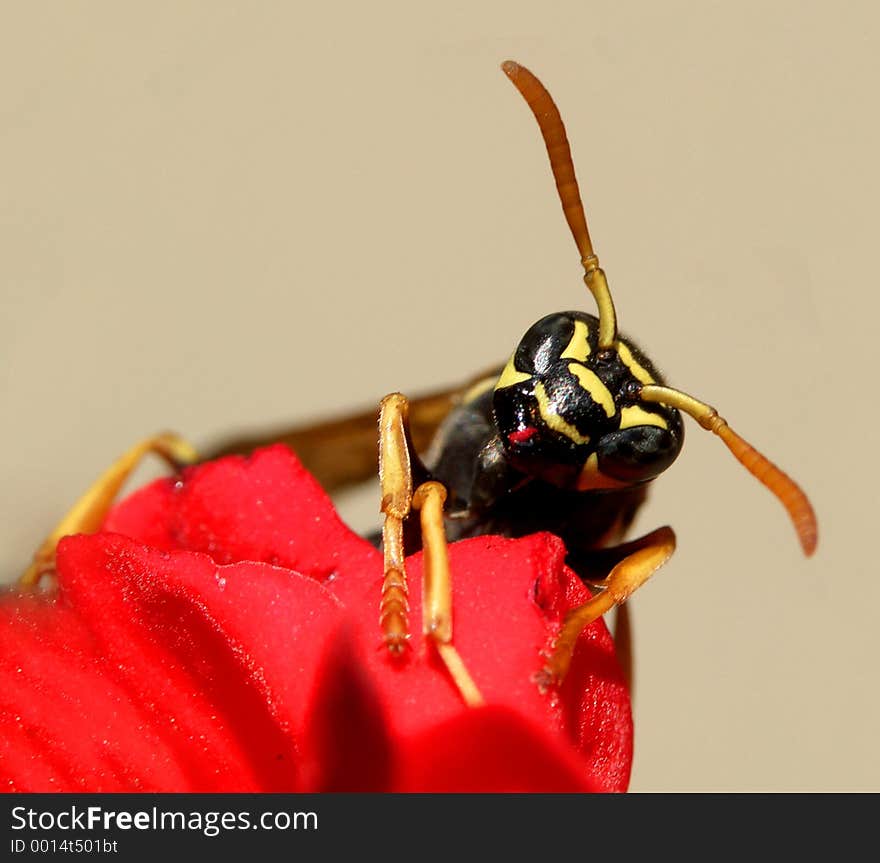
[220, 634]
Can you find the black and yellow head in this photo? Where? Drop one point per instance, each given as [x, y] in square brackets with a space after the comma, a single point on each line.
[579, 405]
[568, 412]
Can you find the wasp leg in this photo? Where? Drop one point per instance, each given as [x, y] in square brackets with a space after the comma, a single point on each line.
[87, 514]
[395, 477]
[397, 463]
[645, 556]
[437, 589]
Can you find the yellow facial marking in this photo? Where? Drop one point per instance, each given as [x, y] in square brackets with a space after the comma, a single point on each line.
[591, 382]
[591, 477]
[511, 375]
[636, 416]
[578, 348]
[475, 391]
[553, 420]
[639, 372]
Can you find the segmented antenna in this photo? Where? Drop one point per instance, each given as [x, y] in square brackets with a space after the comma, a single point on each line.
[553, 132]
[786, 490]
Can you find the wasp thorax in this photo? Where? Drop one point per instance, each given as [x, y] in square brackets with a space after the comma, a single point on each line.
[569, 413]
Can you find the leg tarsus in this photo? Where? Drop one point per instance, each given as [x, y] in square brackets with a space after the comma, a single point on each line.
[394, 611]
[460, 675]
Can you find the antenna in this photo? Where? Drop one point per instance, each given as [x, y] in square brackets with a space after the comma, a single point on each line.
[786, 490]
[553, 132]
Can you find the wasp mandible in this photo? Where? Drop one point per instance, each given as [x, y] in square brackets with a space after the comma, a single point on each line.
[566, 438]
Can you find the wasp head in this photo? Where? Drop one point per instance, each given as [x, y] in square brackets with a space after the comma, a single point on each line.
[568, 412]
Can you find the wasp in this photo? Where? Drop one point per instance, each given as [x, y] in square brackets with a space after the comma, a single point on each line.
[566, 437]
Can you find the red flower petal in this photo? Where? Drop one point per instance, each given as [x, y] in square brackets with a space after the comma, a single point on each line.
[348, 743]
[203, 675]
[65, 723]
[490, 749]
[208, 661]
[267, 507]
[509, 598]
[352, 746]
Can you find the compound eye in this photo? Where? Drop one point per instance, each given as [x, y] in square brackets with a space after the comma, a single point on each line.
[637, 454]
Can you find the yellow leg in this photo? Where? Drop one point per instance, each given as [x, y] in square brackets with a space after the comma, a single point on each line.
[86, 515]
[437, 589]
[652, 551]
[395, 476]
[398, 499]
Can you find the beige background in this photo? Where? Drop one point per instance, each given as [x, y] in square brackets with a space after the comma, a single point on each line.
[218, 216]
